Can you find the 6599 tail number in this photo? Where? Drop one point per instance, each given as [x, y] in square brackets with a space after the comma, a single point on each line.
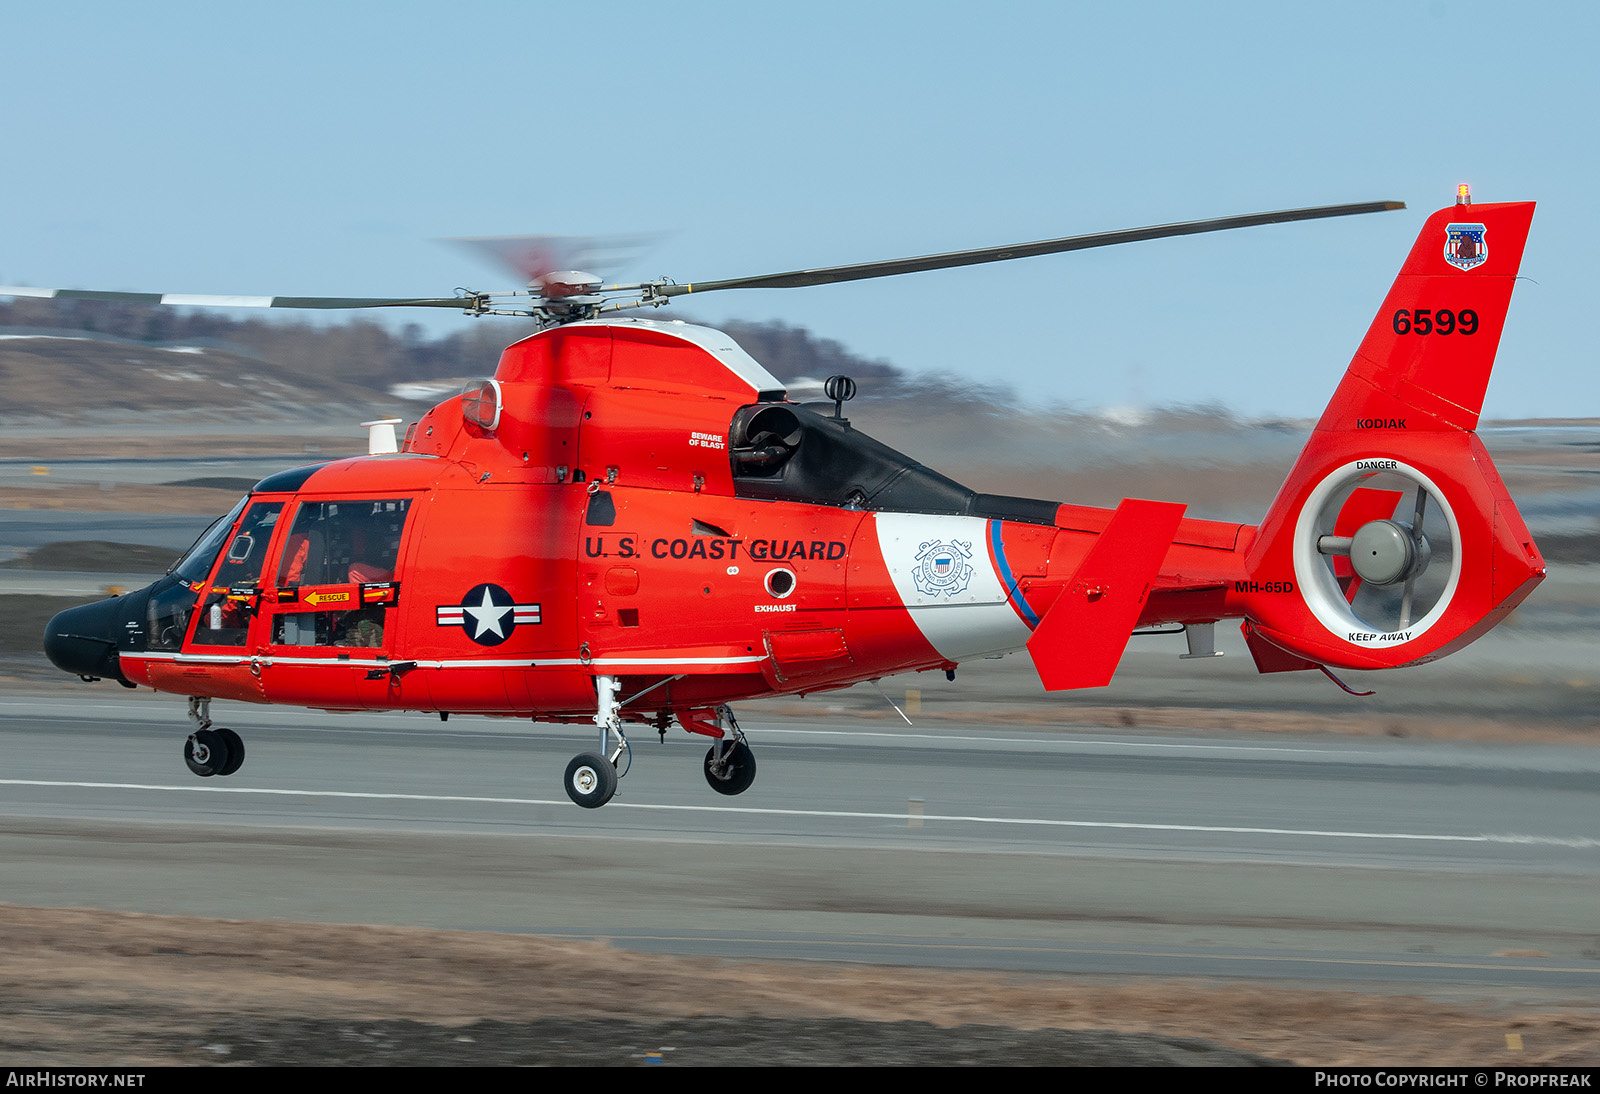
[1435, 321]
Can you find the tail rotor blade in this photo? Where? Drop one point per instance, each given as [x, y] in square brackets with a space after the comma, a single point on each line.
[1416, 535]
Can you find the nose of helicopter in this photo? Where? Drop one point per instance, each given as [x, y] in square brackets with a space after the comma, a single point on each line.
[83, 640]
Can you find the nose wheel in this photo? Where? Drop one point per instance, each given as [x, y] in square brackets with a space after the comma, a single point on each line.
[211, 750]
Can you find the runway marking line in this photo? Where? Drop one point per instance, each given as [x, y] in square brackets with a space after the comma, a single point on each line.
[1578, 842]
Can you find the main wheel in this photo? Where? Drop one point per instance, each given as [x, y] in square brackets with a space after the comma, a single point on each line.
[737, 772]
[235, 747]
[206, 753]
[591, 780]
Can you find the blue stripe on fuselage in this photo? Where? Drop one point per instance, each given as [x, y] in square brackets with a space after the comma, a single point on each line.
[1012, 592]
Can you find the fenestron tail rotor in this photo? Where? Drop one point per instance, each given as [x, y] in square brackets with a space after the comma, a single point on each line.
[1387, 549]
[560, 292]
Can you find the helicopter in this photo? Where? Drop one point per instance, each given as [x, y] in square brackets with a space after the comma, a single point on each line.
[632, 524]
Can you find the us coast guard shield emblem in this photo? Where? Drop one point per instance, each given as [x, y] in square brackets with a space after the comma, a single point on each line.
[942, 568]
[1464, 247]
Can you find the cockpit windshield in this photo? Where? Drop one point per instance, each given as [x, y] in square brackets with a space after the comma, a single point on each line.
[196, 563]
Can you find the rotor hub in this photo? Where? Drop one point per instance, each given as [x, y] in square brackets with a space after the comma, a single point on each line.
[1386, 551]
[560, 284]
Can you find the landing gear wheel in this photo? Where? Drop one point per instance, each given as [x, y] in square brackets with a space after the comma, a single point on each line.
[736, 772]
[591, 780]
[235, 746]
[206, 753]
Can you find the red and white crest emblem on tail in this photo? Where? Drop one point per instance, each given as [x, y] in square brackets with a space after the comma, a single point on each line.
[1464, 246]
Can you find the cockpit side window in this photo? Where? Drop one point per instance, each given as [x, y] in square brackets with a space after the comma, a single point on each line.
[196, 563]
[230, 604]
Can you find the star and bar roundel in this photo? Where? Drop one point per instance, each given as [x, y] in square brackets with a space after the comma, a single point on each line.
[488, 614]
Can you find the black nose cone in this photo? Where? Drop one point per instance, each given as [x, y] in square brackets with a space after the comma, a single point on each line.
[83, 640]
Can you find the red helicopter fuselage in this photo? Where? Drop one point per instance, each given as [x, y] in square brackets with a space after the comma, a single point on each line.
[631, 522]
[603, 525]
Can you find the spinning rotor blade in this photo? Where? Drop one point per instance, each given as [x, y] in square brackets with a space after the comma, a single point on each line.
[533, 257]
[201, 300]
[889, 268]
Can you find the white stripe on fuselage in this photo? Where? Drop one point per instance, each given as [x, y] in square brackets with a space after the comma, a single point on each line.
[663, 659]
[961, 614]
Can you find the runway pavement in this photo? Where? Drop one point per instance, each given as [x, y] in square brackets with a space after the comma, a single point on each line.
[1432, 866]
[1429, 865]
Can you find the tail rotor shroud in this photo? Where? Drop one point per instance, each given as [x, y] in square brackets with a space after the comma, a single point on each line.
[1386, 546]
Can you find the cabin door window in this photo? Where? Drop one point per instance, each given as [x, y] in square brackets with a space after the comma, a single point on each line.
[231, 601]
[336, 578]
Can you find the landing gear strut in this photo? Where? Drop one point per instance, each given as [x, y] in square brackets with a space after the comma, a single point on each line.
[592, 777]
[211, 751]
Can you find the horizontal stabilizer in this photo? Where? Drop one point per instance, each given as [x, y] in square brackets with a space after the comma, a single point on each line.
[1080, 640]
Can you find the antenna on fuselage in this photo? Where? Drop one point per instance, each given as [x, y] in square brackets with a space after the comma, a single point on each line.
[841, 389]
[380, 436]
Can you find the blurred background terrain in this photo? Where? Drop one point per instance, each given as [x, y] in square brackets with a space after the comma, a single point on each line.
[125, 429]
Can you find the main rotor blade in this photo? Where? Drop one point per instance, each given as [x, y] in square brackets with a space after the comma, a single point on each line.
[200, 300]
[889, 268]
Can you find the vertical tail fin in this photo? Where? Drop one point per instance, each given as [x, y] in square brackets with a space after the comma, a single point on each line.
[1393, 540]
[1426, 358]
